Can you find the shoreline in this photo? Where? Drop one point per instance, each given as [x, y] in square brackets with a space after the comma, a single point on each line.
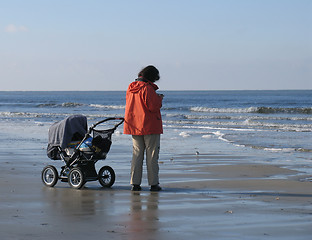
[212, 196]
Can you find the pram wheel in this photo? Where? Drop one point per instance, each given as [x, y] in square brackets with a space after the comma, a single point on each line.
[49, 176]
[107, 176]
[76, 179]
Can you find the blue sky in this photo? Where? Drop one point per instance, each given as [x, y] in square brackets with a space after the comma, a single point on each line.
[196, 44]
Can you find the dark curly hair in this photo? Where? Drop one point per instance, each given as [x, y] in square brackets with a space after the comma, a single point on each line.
[149, 73]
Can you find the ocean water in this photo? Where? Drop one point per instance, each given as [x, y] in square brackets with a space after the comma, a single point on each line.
[266, 122]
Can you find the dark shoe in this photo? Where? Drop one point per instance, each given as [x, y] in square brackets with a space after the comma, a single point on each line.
[155, 188]
[136, 188]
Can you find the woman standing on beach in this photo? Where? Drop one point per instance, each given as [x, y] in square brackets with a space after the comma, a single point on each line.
[143, 122]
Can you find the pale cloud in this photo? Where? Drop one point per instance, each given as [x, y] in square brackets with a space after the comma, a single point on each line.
[11, 28]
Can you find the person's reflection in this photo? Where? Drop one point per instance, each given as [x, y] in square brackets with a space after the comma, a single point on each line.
[144, 216]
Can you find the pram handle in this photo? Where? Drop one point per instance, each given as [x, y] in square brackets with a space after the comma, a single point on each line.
[109, 119]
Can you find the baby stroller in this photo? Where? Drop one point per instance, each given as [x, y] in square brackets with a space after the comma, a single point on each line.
[79, 149]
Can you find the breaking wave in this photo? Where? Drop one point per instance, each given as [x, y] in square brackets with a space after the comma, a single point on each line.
[55, 105]
[75, 104]
[262, 110]
[107, 106]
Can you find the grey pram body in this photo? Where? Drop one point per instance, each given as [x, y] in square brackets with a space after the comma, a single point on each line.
[79, 148]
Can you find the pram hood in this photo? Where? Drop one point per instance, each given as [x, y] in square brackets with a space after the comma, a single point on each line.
[62, 132]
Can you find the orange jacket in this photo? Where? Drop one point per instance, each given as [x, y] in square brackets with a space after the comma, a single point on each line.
[142, 114]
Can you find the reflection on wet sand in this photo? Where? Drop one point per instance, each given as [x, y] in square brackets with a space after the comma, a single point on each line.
[95, 204]
[71, 202]
[110, 211]
[144, 215]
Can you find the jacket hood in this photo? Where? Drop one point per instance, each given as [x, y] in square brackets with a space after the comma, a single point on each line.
[138, 84]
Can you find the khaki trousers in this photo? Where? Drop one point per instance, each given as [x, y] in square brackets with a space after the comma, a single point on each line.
[149, 144]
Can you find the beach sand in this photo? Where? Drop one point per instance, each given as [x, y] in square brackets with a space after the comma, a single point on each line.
[208, 196]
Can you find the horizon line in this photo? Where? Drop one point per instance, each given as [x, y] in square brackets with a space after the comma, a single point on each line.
[193, 90]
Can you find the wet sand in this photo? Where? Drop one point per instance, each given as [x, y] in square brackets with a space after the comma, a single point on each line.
[210, 196]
